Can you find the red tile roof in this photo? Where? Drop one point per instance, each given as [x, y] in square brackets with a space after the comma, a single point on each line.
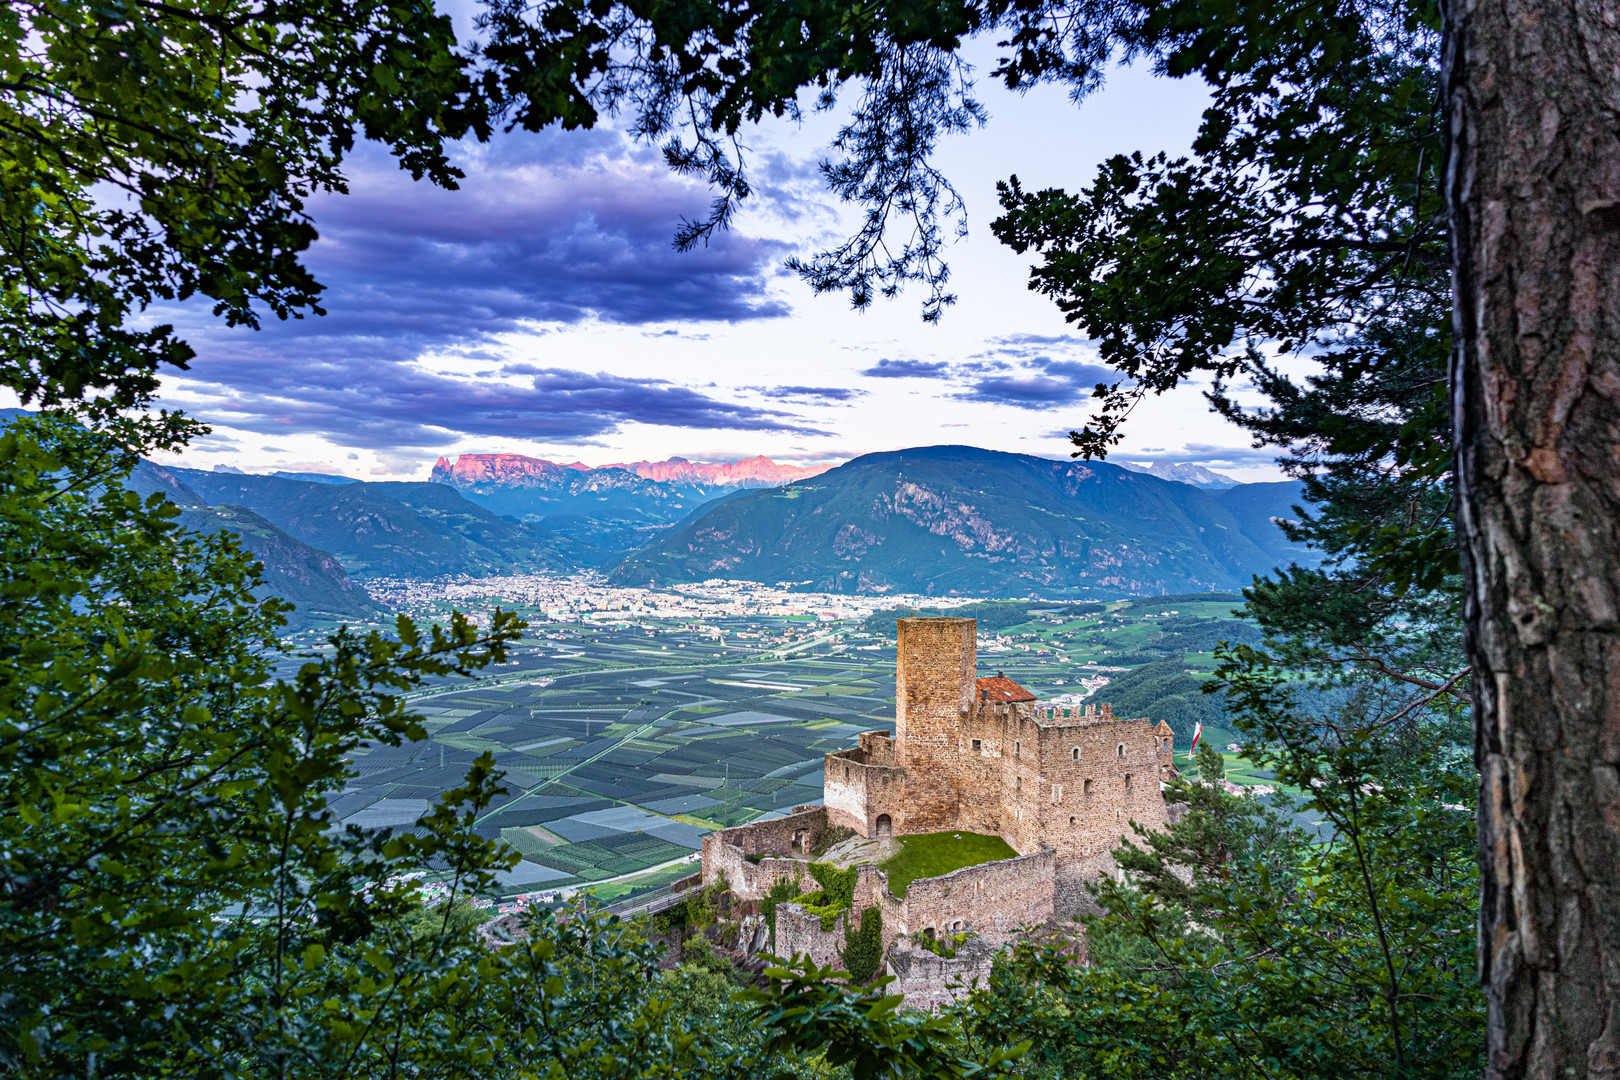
[1002, 688]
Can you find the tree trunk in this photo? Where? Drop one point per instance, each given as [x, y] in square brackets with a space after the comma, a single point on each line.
[1532, 98]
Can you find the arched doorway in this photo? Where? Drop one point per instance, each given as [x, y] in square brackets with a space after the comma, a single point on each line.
[885, 827]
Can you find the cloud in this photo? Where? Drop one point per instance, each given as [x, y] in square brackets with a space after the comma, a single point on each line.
[1052, 382]
[1024, 391]
[815, 393]
[545, 229]
[1232, 457]
[381, 405]
[907, 369]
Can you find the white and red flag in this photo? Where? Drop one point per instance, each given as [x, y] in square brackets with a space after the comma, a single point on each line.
[1198, 729]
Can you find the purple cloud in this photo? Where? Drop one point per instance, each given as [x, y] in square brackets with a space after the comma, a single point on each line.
[383, 405]
[546, 228]
[907, 369]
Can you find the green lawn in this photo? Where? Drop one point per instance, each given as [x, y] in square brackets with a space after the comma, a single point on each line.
[933, 854]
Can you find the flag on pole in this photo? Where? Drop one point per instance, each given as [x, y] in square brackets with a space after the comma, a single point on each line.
[1198, 729]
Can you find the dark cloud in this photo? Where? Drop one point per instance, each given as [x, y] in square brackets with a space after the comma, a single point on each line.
[1024, 391]
[383, 405]
[907, 369]
[815, 393]
[549, 228]
[1043, 382]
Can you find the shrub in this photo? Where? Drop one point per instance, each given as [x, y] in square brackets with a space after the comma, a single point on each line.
[863, 950]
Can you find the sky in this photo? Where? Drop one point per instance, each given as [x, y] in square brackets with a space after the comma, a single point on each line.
[541, 310]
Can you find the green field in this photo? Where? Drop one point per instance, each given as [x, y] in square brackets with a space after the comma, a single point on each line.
[929, 855]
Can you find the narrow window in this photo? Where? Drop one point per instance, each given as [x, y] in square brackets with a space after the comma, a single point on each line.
[1018, 748]
[1119, 751]
[846, 772]
[1072, 819]
[1127, 783]
[1075, 753]
[978, 745]
[1087, 788]
[1018, 783]
[1057, 794]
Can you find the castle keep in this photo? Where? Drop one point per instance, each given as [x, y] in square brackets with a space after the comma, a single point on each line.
[985, 756]
[1060, 786]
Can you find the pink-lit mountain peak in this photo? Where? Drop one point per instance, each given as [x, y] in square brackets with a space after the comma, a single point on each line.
[755, 470]
[758, 471]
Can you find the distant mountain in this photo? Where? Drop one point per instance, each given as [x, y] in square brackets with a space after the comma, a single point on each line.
[1183, 473]
[958, 520]
[312, 580]
[293, 570]
[751, 472]
[392, 529]
[312, 477]
[612, 506]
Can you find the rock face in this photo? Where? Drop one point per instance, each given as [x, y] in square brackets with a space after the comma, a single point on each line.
[759, 471]
[957, 520]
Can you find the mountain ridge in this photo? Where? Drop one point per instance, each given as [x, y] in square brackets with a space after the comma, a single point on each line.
[956, 520]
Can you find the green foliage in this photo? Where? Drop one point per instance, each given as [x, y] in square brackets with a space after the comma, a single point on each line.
[942, 945]
[928, 855]
[1210, 762]
[1164, 690]
[837, 884]
[813, 1010]
[166, 856]
[1273, 957]
[862, 953]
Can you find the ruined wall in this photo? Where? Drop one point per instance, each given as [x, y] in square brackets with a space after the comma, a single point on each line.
[798, 931]
[929, 981]
[991, 899]
[726, 851]
[1087, 805]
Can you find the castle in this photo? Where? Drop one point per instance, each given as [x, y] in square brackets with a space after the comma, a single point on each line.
[1060, 786]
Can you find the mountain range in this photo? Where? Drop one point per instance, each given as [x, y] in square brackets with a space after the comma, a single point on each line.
[614, 507]
[940, 520]
[958, 520]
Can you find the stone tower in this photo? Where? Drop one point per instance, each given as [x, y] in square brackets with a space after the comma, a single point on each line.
[934, 680]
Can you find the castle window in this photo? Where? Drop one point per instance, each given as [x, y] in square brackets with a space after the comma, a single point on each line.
[1018, 748]
[1075, 753]
[846, 772]
[1119, 752]
[1072, 819]
[1018, 783]
[1087, 788]
[978, 745]
[1057, 794]
[1127, 783]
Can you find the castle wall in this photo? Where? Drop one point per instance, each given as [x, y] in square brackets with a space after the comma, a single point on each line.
[798, 931]
[726, 851]
[857, 793]
[991, 899]
[930, 981]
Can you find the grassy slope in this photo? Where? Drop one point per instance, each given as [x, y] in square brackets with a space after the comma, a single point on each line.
[933, 854]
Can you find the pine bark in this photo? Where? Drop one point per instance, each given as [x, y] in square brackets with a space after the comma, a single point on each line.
[1532, 97]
